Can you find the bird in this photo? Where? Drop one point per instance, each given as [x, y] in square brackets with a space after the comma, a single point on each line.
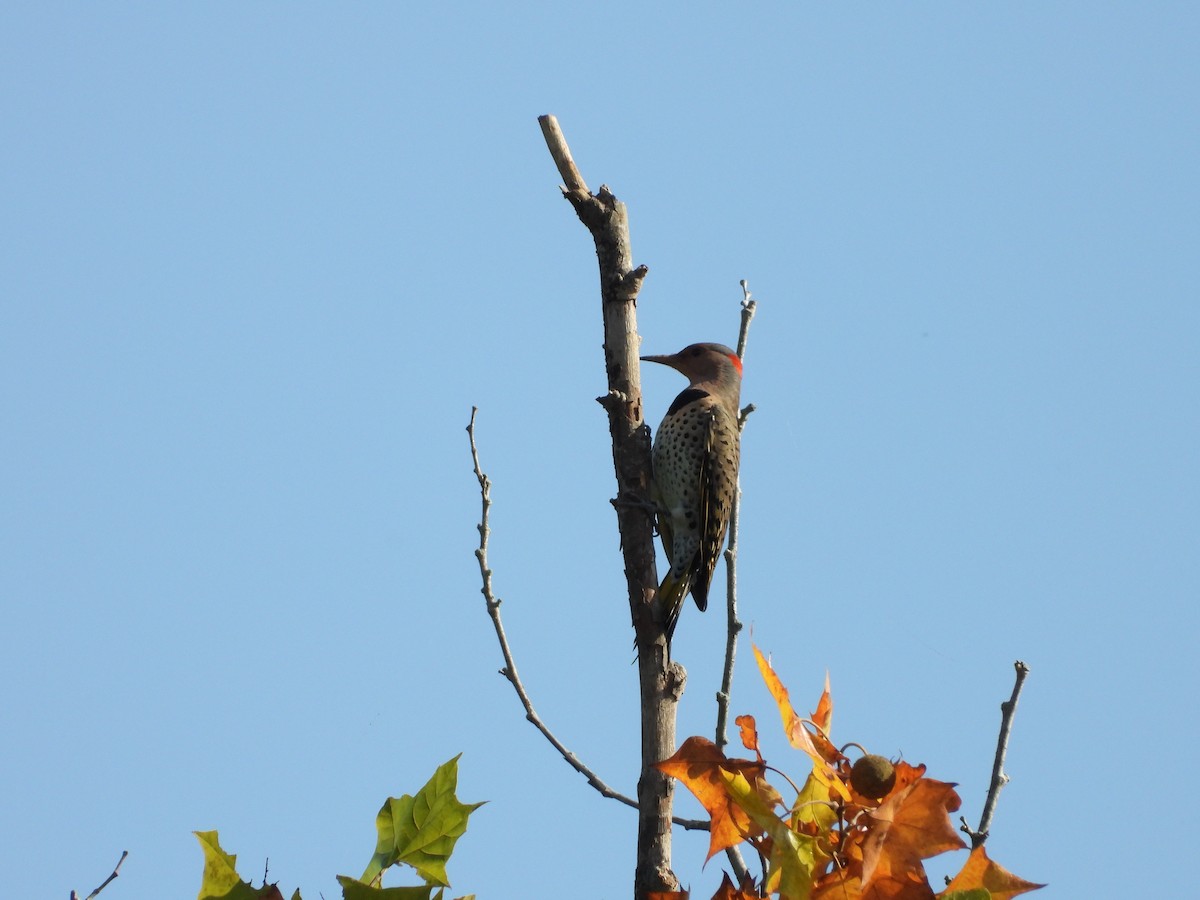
[695, 458]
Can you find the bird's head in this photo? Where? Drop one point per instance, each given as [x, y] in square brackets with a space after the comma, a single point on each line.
[704, 364]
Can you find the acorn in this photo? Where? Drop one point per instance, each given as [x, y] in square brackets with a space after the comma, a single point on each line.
[873, 776]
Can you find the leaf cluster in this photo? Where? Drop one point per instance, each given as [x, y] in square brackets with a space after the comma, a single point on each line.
[831, 842]
[417, 831]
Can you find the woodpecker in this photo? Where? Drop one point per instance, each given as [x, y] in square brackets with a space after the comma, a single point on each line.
[695, 456]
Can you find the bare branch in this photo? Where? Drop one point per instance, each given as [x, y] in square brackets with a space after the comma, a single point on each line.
[561, 155]
[749, 306]
[510, 667]
[734, 624]
[115, 872]
[493, 607]
[731, 552]
[1008, 710]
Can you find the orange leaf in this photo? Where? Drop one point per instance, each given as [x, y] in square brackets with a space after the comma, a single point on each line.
[981, 872]
[822, 719]
[667, 895]
[838, 885]
[749, 734]
[797, 734]
[911, 825]
[728, 892]
[793, 725]
[906, 774]
[698, 764]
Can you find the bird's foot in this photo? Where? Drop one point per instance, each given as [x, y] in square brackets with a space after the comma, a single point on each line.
[627, 500]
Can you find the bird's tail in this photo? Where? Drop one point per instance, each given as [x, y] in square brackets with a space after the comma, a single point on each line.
[671, 594]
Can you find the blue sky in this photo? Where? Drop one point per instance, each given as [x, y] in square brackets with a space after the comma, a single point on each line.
[260, 260]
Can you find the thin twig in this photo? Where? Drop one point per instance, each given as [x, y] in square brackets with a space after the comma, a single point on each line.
[510, 667]
[749, 305]
[734, 625]
[115, 872]
[1008, 710]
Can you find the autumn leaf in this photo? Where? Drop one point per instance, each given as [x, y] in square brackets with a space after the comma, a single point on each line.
[748, 731]
[980, 873]
[812, 808]
[822, 719]
[793, 857]
[840, 884]
[727, 891]
[793, 727]
[699, 763]
[907, 774]
[667, 895]
[911, 825]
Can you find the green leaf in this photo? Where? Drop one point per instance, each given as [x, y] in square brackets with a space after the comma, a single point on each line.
[812, 804]
[793, 856]
[220, 880]
[353, 889]
[421, 831]
[220, 869]
[972, 894]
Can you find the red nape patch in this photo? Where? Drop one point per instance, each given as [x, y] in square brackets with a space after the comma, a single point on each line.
[737, 362]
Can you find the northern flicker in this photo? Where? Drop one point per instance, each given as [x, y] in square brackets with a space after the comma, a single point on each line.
[696, 454]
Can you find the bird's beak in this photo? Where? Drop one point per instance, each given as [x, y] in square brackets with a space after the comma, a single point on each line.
[663, 360]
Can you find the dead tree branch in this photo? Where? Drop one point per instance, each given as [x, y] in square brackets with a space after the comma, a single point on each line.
[1008, 709]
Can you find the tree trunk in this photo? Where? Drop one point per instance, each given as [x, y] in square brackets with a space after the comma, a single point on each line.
[661, 682]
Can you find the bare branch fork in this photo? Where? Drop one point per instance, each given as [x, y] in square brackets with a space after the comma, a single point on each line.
[510, 667]
[115, 873]
[493, 607]
[1008, 710]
